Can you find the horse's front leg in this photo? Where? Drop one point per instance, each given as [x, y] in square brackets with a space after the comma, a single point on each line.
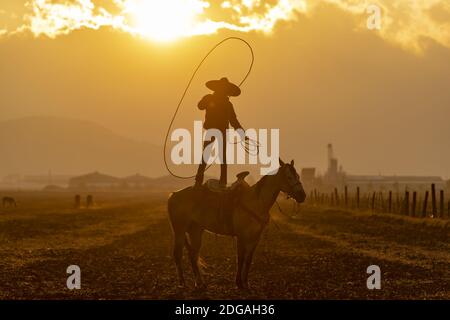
[248, 257]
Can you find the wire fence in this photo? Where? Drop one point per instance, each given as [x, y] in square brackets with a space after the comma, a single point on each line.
[431, 203]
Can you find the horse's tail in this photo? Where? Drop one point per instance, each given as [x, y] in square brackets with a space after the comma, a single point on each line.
[201, 262]
[170, 208]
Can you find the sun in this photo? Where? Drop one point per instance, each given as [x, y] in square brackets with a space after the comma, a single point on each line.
[164, 20]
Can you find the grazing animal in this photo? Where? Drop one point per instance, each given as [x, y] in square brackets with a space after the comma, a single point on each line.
[89, 201]
[249, 217]
[9, 202]
[77, 201]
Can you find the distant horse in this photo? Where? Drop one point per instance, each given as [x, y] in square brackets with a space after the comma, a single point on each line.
[89, 201]
[77, 201]
[9, 202]
[249, 217]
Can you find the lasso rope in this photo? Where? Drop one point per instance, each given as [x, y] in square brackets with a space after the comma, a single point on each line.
[245, 144]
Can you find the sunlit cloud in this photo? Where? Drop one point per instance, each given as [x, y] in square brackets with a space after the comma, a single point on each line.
[157, 19]
[54, 19]
[404, 22]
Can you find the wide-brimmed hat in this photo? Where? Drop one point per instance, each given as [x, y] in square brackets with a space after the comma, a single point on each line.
[224, 85]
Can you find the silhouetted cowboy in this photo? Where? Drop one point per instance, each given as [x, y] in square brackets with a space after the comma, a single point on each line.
[219, 115]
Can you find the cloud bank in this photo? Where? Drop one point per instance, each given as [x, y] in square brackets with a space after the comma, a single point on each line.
[404, 22]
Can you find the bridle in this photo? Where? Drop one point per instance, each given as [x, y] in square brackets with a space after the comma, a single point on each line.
[290, 193]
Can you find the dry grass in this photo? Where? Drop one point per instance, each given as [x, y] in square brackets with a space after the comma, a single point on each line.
[123, 247]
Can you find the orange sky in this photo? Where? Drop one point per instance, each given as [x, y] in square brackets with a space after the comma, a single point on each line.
[320, 76]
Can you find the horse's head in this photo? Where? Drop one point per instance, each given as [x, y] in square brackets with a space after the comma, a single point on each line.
[290, 181]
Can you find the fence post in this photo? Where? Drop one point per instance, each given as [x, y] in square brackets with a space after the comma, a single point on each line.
[357, 197]
[406, 203]
[336, 196]
[433, 200]
[373, 201]
[346, 196]
[425, 204]
[397, 203]
[390, 202]
[414, 204]
[441, 205]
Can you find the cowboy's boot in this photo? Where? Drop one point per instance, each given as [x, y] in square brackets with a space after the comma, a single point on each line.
[223, 176]
[199, 177]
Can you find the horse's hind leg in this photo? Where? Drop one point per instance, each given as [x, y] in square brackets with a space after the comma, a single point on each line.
[178, 255]
[240, 262]
[195, 237]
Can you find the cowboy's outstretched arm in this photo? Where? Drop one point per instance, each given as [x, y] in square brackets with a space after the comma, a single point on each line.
[233, 120]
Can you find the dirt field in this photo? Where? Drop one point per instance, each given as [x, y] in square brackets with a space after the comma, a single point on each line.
[123, 248]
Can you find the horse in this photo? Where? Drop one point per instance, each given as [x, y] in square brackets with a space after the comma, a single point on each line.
[89, 201]
[249, 217]
[9, 202]
[77, 201]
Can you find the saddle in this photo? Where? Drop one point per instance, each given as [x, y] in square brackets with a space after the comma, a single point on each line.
[223, 201]
[213, 185]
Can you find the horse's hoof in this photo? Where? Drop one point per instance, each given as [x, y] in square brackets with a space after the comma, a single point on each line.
[200, 289]
[200, 286]
[242, 286]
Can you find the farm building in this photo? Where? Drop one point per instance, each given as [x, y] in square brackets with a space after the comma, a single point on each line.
[308, 176]
[34, 182]
[395, 183]
[335, 176]
[95, 180]
[137, 181]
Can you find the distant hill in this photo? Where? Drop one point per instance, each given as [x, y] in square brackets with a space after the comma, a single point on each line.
[35, 145]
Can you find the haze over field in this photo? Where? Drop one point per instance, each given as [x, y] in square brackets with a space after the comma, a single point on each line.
[38, 144]
[381, 97]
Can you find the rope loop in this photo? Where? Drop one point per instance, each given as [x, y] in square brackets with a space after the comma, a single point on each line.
[187, 89]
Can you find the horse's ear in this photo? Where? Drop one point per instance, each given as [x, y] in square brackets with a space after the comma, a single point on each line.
[281, 162]
[292, 163]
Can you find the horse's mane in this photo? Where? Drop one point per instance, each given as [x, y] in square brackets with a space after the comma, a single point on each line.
[260, 184]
